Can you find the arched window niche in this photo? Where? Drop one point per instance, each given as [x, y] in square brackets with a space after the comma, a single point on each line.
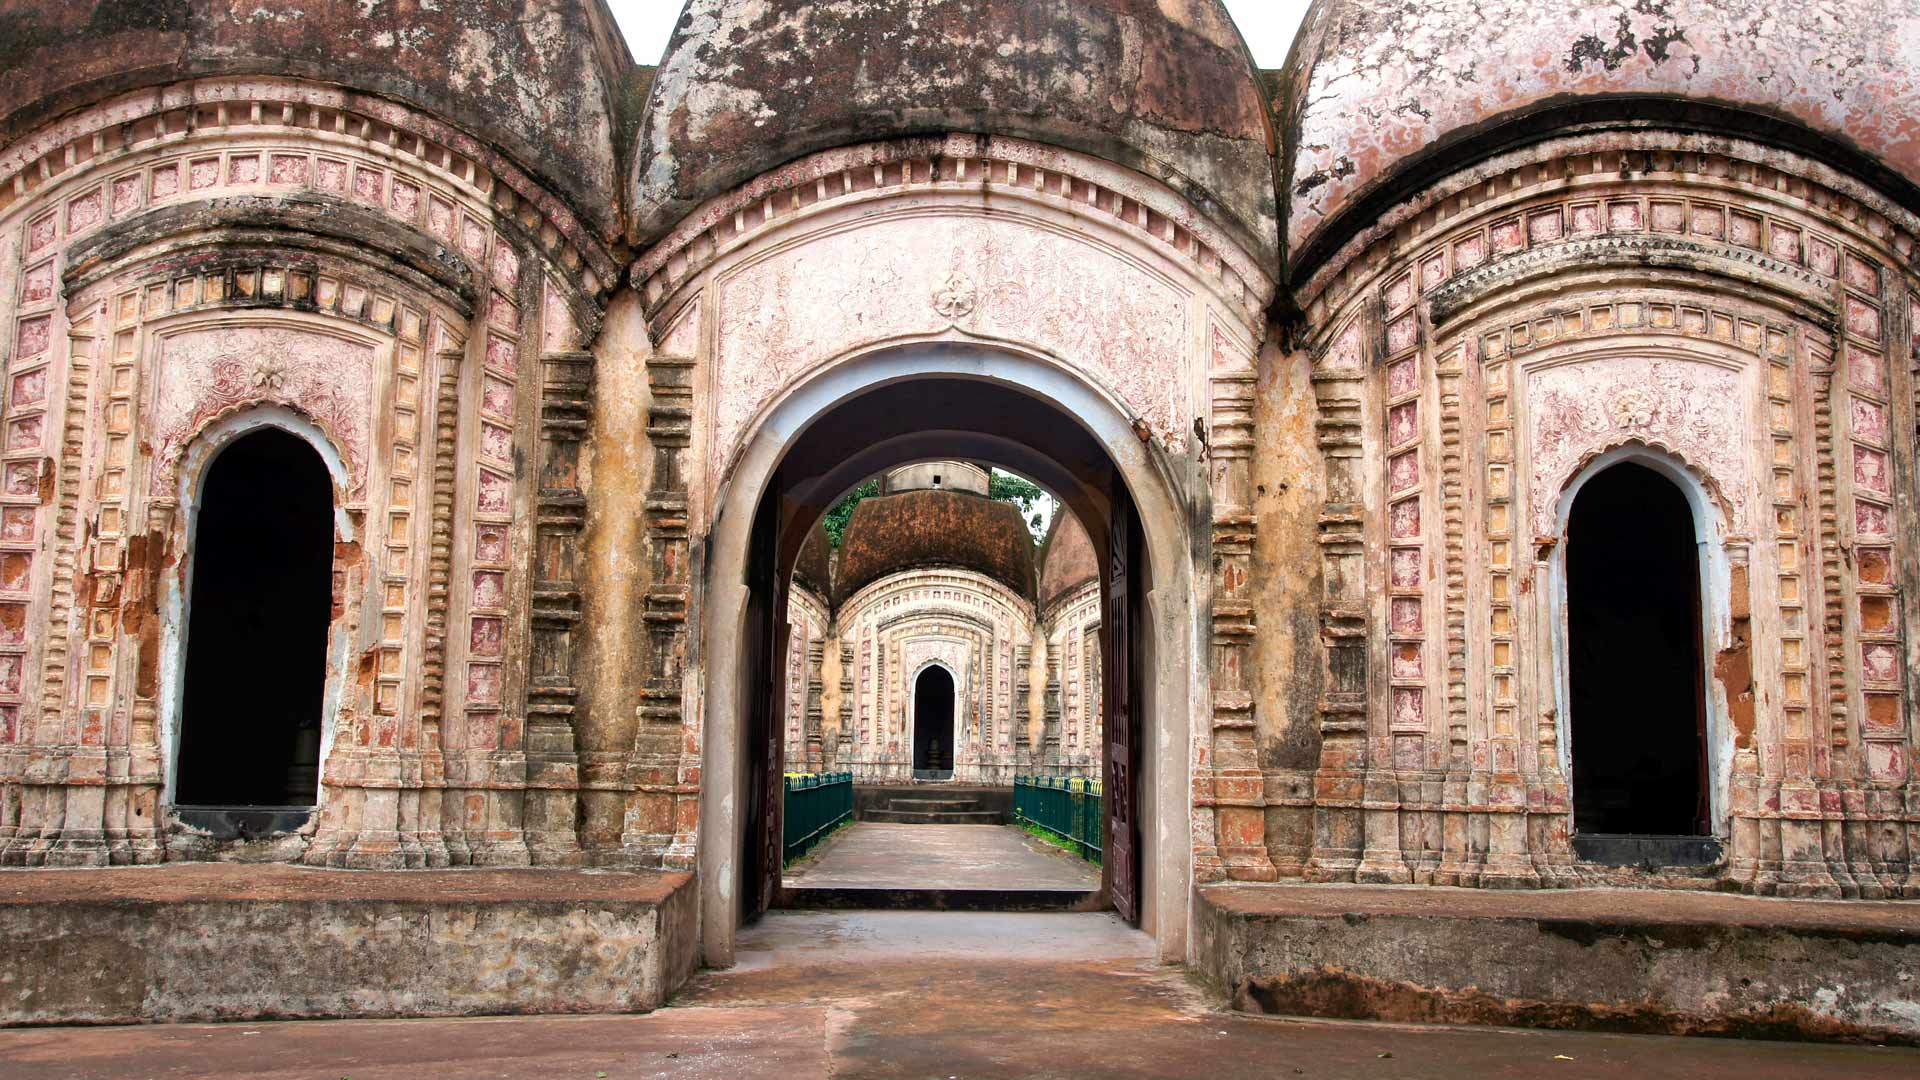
[249, 641]
[1641, 583]
[936, 729]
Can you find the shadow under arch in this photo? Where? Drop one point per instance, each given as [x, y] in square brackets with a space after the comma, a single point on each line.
[949, 697]
[1022, 412]
[195, 466]
[1712, 596]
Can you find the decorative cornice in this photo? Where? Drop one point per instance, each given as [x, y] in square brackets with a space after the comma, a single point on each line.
[959, 164]
[1634, 251]
[244, 225]
[98, 138]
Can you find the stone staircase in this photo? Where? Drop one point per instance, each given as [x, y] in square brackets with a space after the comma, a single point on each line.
[926, 804]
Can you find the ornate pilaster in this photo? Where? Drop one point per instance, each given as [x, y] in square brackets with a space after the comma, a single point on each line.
[844, 741]
[1237, 845]
[666, 761]
[433, 663]
[1803, 867]
[553, 761]
[816, 757]
[1339, 379]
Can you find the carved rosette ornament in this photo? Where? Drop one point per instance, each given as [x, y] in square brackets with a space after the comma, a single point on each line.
[955, 297]
[1634, 409]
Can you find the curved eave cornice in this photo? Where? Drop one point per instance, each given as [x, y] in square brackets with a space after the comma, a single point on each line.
[96, 136]
[314, 224]
[1431, 201]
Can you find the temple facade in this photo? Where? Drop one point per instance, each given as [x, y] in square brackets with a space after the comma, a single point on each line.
[1486, 445]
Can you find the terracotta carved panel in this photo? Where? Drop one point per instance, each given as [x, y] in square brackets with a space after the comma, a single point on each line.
[1697, 410]
[204, 372]
[1121, 326]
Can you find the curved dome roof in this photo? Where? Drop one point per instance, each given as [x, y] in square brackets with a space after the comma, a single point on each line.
[814, 568]
[1068, 561]
[1162, 86]
[1375, 86]
[929, 528]
[535, 79]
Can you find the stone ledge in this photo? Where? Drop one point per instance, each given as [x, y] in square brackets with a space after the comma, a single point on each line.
[239, 942]
[1589, 959]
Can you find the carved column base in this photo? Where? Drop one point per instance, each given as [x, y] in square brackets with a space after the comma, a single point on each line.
[1804, 869]
[77, 851]
[551, 839]
[1240, 824]
[552, 810]
[1382, 868]
[1833, 842]
[1382, 862]
[1509, 860]
[1208, 867]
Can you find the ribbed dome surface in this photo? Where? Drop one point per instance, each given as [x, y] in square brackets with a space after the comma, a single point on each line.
[533, 78]
[1376, 86]
[1163, 86]
[1068, 561]
[927, 528]
[814, 568]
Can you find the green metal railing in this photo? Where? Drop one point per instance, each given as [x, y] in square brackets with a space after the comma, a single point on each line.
[1067, 806]
[815, 804]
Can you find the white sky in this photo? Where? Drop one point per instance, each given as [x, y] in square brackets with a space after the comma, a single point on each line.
[1268, 26]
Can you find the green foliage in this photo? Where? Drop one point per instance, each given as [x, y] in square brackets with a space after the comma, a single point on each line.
[842, 511]
[1022, 493]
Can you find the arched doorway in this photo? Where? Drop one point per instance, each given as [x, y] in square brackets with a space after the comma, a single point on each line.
[1636, 680]
[934, 732]
[950, 402]
[259, 606]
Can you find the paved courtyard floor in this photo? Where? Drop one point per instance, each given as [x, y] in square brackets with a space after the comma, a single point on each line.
[914, 994]
[873, 855]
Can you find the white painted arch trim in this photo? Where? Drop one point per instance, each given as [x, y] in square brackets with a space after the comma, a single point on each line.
[1174, 632]
[196, 461]
[1716, 588]
[953, 714]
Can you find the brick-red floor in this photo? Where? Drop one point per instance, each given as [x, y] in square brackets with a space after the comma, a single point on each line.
[917, 994]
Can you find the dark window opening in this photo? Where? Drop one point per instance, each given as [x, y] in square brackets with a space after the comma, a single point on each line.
[933, 721]
[260, 605]
[1633, 625]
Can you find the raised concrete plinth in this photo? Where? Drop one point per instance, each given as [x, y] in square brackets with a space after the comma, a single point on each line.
[231, 941]
[1590, 959]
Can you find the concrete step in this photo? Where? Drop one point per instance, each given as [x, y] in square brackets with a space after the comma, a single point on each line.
[936, 805]
[925, 817]
[882, 899]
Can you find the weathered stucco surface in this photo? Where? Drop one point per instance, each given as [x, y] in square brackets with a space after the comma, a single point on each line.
[1286, 656]
[929, 528]
[210, 943]
[1165, 88]
[1379, 84]
[537, 79]
[1591, 959]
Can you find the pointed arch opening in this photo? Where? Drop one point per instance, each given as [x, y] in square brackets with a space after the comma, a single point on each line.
[933, 726]
[1636, 693]
[259, 608]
